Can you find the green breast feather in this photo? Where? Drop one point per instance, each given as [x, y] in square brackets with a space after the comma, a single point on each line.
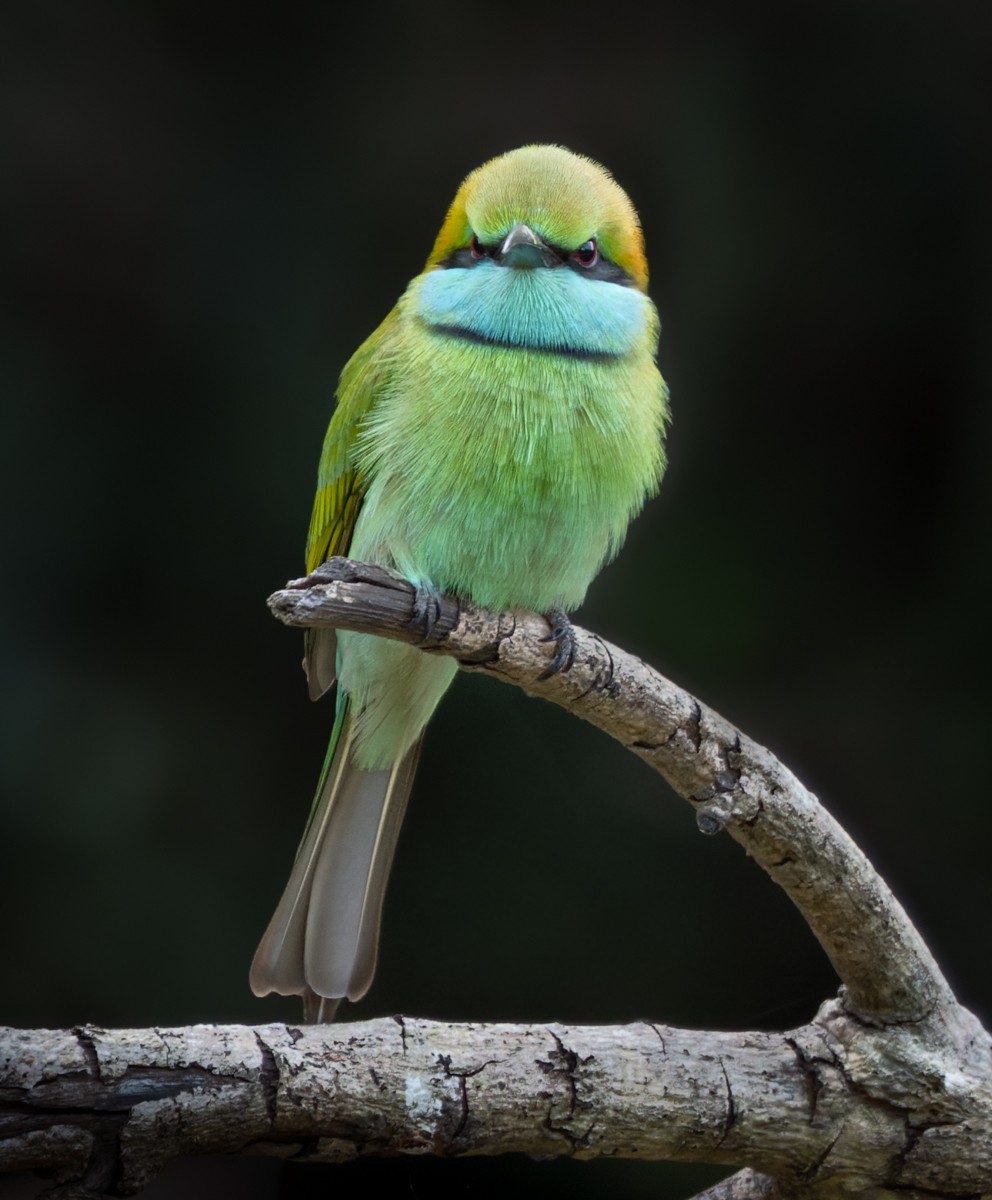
[507, 473]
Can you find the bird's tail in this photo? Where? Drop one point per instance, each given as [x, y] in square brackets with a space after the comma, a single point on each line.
[322, 941]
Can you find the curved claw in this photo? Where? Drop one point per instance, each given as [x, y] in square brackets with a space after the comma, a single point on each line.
[563, 635]
[426, 608]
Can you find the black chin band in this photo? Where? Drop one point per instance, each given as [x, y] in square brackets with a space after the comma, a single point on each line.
[460, 333]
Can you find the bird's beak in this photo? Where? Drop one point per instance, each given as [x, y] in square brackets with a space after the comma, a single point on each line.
[524, 250]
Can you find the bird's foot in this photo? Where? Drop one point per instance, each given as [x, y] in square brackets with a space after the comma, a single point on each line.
[563, 635]
[426, 608]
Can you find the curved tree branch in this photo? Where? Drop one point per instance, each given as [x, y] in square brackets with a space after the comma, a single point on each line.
[734, 784]
[887, 1092]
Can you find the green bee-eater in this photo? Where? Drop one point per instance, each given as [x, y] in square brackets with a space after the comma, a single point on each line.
[492, 439]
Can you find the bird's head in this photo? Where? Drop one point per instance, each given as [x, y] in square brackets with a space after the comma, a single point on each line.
[543, 206]
[540, 251]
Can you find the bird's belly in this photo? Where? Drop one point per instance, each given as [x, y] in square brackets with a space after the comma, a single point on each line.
[508, 478]
[532, 554]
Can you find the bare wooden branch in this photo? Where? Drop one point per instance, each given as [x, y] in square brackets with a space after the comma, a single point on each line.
[745, 1185]
[112, 1108]
[886, 1093]
[887, 971]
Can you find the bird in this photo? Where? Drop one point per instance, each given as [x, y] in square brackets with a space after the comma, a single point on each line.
[491, 440]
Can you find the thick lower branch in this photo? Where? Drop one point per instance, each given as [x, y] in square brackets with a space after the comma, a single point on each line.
[111, 1109]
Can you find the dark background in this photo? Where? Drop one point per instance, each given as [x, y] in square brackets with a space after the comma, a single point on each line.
[204, 213]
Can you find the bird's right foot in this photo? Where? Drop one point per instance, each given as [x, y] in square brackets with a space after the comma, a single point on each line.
[563, 636]
[426, 608]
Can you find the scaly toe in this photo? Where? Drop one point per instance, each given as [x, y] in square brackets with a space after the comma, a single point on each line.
[563, 635]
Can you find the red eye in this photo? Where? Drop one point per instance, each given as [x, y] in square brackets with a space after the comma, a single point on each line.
[477, 248]
[587, 254]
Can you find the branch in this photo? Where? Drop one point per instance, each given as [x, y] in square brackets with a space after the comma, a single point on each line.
[887, 1092]
[110, 1109]
[888, 973]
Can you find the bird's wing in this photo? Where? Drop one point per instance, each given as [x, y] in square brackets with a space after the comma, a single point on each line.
[340, 488]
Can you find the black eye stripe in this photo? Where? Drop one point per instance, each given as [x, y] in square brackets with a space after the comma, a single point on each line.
[603, 269]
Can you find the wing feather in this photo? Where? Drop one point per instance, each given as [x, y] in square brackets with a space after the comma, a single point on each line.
[340, 487]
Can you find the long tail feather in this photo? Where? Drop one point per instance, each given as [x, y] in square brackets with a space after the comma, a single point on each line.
[322, 941]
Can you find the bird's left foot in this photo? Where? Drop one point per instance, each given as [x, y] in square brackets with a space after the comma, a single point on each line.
[563, 635]
[426, 608]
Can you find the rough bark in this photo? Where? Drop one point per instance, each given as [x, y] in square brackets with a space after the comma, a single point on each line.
[831, 1108]
[887, 1092]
